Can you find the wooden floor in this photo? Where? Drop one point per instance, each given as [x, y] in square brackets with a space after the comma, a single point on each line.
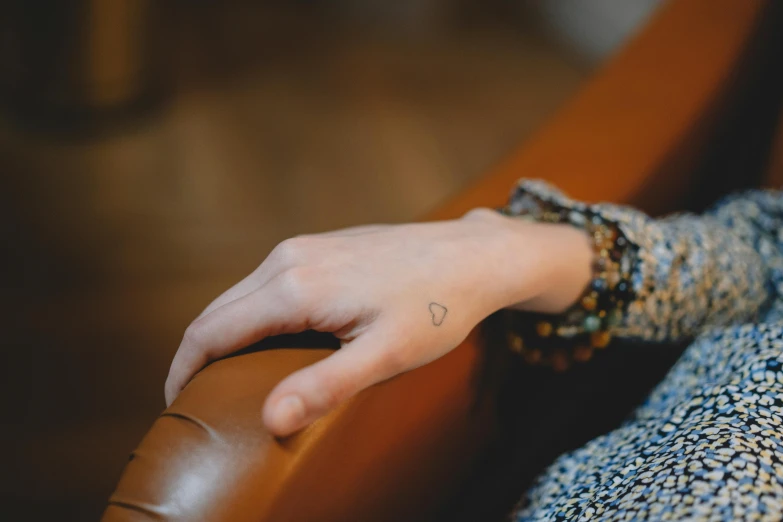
[112, 244]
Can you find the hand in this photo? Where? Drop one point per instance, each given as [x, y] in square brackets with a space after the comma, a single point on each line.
[398, 296]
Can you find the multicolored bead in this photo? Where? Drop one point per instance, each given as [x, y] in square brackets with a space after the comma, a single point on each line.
[591, 323]
[585, 326]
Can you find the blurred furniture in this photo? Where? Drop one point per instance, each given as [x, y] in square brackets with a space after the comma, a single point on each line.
[685, 112]
[67, 61]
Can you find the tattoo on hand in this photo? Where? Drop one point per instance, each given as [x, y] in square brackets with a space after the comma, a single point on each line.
[438, 312]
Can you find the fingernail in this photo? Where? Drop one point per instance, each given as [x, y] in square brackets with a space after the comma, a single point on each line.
[290, 411]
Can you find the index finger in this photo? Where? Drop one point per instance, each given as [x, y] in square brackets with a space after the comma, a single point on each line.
[273, 309]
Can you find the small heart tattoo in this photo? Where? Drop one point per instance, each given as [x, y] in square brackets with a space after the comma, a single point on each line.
[438, 313]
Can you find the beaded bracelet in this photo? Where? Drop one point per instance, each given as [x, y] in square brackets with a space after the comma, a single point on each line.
[556, 340]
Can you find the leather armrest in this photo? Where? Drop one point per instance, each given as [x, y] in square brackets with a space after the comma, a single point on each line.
[632, 135]
[208, 457]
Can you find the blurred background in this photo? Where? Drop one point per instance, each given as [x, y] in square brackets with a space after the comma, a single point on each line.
[152, 152]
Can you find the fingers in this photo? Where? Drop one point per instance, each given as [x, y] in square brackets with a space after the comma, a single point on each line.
[283, 305]
[311, 392]
[285, 255]
[267, 302]
[239, 290]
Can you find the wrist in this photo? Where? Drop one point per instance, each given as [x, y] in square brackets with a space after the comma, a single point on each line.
[530, 265]
[584, 283]
[562, 257]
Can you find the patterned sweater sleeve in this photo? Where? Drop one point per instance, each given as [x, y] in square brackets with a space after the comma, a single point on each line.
[692, 272]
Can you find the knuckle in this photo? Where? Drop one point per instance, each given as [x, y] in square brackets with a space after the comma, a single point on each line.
[292, 251]
[195, 333]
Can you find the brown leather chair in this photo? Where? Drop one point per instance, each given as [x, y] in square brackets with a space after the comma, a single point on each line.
[666, 124]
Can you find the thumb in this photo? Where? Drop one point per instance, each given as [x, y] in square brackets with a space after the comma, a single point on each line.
[311, 392]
